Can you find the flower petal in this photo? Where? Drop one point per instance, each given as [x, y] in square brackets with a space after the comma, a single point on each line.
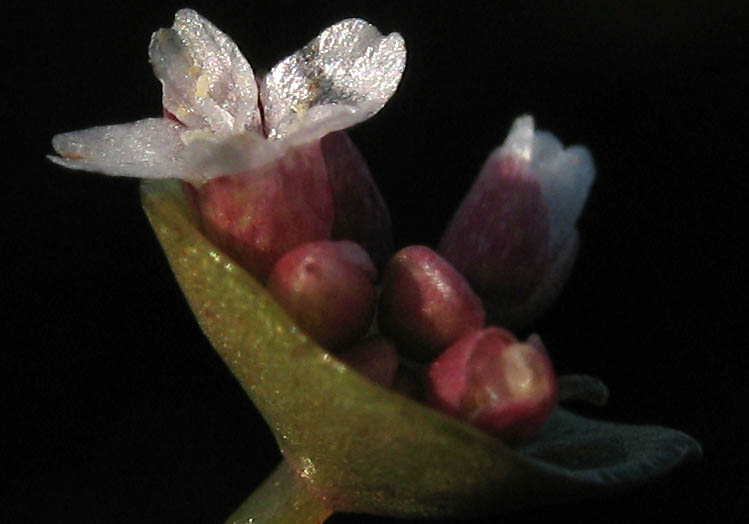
[207, 82]
[340, 78]
[565, 175]
[149, 148]
[208, 156]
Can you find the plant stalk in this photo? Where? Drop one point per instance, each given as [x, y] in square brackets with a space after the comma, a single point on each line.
[282, 498]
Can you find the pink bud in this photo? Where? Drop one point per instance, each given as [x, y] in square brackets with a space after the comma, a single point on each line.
[517, 220]
[361, 214]
[374, 357]
[259, 215]
[499, 236]
[489, 379]
[328, 288]
[425, 304]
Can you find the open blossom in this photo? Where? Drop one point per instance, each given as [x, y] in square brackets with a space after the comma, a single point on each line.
[514, 235]
[266, 179]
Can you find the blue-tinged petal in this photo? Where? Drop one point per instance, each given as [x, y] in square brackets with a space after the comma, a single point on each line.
[565, 174]
[149, 148]
[342, 77]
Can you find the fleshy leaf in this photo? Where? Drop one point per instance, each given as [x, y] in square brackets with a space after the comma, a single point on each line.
[366, 449]
[602, 454]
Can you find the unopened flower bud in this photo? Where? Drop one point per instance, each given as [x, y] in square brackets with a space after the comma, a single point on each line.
[374, 357]
[425, 304]
[521, 312]
[328, 288]
[259, 215]
[515, 225]
[502, 386]
[361, 214]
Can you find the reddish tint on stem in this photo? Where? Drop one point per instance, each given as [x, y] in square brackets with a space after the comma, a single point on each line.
[499, 236]
[374, 357]
[425, 304]
[259, 215]
[328, 288]
[361, 214]
[496, 383]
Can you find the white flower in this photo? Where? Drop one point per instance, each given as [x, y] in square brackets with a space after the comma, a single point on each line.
[339, 79]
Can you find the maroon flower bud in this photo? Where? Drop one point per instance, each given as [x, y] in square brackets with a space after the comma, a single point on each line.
[489, 379]
[499, 236]
[328, 288]
[426, 305]
[361, 214]
[259, 215]
[374, 357]
[510, 234]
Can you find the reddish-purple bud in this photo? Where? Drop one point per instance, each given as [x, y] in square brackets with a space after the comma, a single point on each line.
[489, 379]
[259, 215]
[374, 357]
[499, 235]
[328, 288]
[425, 304]
[361, 214]
[515, 225]
[547, 290]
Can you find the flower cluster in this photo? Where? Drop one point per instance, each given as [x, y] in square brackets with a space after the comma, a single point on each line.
[265, 157]
[279, 186]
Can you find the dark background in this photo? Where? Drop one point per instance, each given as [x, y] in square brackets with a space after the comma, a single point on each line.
[117, 409]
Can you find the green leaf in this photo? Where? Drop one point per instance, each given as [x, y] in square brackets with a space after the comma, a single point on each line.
[365, 449]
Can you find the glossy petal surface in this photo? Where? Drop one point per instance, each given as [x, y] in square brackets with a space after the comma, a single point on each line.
[207, 81]
[149, 148]
[342, 77]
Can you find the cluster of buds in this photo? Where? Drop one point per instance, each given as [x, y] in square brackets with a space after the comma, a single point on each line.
[279, 186]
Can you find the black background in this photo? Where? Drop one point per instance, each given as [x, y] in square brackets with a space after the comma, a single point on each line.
[117, 409]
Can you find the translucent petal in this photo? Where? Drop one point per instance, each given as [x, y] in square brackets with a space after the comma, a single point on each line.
[565, 175]
[210, 156]
[149, 148]
[207, 82]
[340, 78]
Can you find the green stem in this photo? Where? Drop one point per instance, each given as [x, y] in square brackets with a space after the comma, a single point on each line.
[281, 499]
